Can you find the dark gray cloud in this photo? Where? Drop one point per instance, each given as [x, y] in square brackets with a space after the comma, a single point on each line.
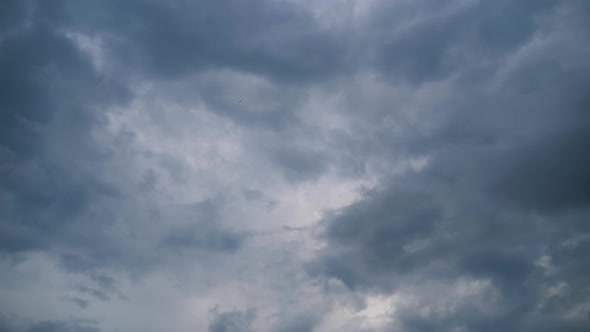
[550, 174]
[54, 326]
[77, 301]
[203, 236]
[129, 131]
[232, 321]
[454, 36]
[252, 194]
[268, 38]
[59, 193]
[379, 227]
[300, 164]
[96, 293]
[303, 322]
[204, 232]
[49, 89]
[506, 184]
[46, 326]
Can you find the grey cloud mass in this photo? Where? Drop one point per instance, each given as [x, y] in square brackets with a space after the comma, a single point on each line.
[232, 321]
[294, 165]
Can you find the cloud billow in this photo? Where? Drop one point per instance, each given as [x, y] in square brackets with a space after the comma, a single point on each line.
[294, 166]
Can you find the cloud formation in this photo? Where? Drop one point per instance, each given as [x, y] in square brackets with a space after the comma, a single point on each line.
[294, 165]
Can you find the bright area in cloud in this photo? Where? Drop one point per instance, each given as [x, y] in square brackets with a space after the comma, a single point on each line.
[294, 166]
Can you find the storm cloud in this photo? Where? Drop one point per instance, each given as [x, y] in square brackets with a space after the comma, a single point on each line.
[294, 165]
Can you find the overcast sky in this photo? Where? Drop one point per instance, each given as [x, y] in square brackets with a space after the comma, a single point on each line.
[294, 166]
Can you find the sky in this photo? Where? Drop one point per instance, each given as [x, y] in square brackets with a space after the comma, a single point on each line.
[294, 166]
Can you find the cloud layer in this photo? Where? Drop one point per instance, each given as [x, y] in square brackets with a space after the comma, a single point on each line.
[294, 165]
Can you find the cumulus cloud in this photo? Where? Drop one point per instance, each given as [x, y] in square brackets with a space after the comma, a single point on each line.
[294, 165]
